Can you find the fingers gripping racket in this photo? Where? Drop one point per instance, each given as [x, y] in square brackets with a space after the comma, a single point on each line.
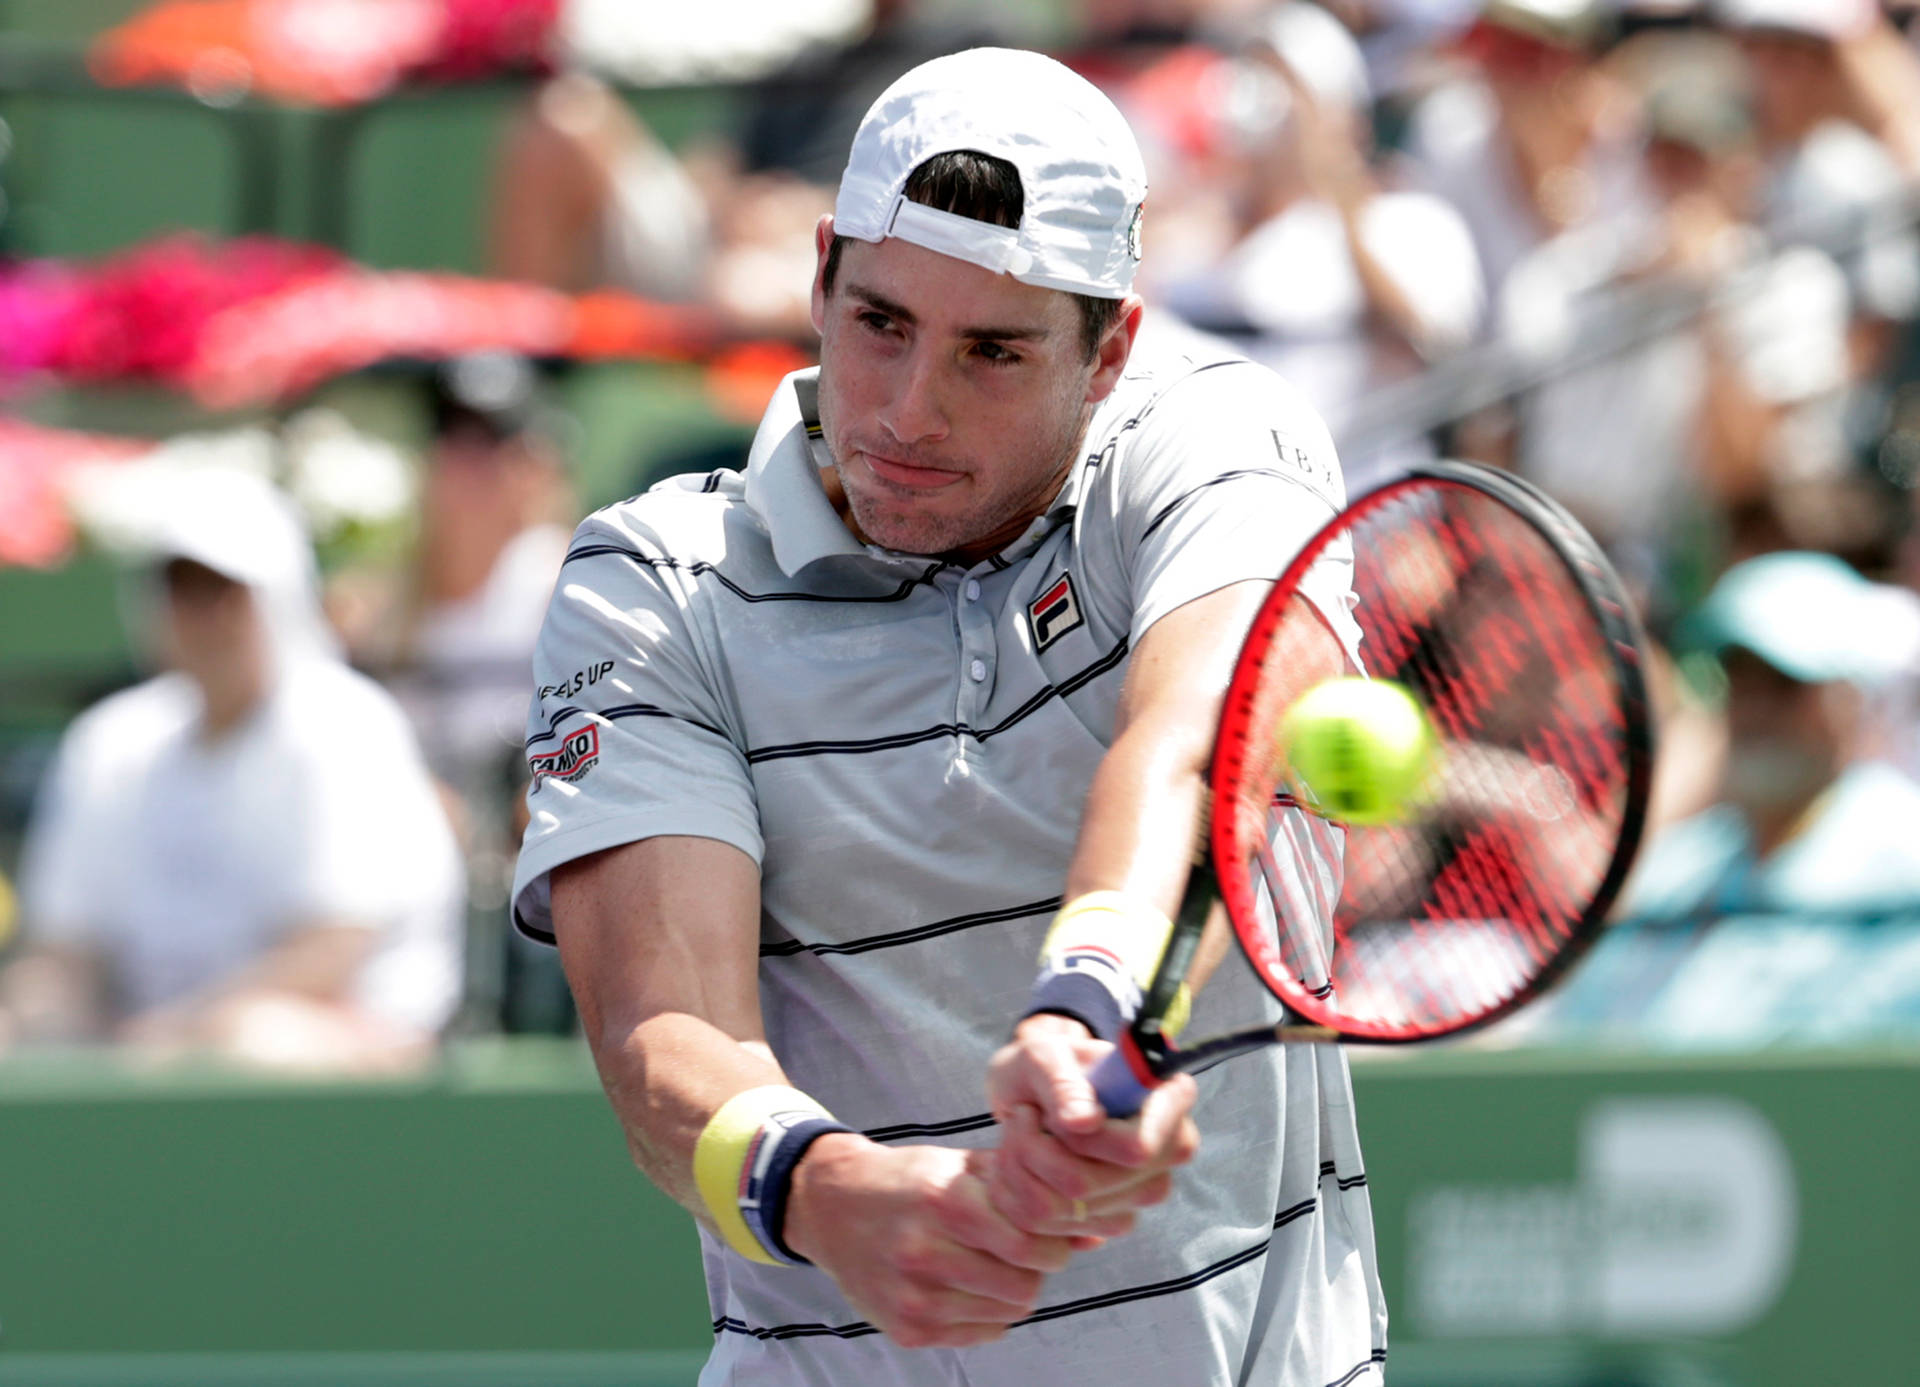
[1490, 605]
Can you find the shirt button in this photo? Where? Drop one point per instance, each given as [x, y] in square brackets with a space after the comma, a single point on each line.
[978, 669]
[973, 590]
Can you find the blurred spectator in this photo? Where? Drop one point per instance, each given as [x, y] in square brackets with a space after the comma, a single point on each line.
[1536, 138]
[454, 640]
[1337, 284]
[1838, 99]
[1721, 365]
[586, 195]
[244, 855]
[1804, 822]
[1803, 879]
[496, 512]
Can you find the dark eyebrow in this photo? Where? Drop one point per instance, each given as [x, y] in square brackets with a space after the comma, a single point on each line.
[901, 313]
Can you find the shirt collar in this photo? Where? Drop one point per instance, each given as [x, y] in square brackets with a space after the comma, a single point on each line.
[783, 485]
[783, 478]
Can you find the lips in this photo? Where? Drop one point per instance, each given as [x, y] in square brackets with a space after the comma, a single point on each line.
[906, 474]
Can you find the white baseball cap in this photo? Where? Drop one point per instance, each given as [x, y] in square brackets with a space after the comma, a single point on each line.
[1826, 19]
[1081, 173]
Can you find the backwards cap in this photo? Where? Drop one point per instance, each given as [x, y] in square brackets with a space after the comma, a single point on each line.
[1080, 169]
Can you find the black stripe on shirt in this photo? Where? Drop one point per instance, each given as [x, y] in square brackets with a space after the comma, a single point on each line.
[1167, 511]
[700, 569]
[788, 948]
[1375, 1359]
[1104, 1300]
[1345, 1182]
[615, 714]
[892, 742]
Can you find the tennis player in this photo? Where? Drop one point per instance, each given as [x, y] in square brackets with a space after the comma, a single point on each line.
[826, 754]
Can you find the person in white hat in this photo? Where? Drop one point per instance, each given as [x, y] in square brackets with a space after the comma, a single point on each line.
[1804, 820]
[243, 855]
[820, 749]
[1802, 873]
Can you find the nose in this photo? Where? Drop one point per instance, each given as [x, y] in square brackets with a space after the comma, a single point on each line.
[914, 413]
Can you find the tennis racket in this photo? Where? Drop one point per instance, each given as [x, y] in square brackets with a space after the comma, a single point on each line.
[1492, 607]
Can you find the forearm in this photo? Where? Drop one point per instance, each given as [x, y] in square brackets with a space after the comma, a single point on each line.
[320, 962]
[660, 942]
[666, 1076]
[1141, 824]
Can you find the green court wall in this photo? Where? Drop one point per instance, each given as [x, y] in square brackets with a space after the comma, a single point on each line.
[1542, 1218]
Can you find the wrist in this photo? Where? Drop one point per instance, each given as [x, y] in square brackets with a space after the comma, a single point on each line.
[744, 1162]
[1100, 954]
[821, 1171]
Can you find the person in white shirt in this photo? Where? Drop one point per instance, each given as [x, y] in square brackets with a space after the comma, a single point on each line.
[820, 748]
[243, 855]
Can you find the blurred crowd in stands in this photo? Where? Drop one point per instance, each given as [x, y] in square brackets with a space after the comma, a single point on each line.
[1662, 256]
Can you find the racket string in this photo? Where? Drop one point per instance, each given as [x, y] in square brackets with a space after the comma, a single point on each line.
[1458, 907]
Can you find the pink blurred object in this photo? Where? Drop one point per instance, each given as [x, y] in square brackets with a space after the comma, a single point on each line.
[481, 37]
[339, 52]
[259, 321]
[320, 52]
[288, 341]
[38, 302]
[141, 314]
[35, 527]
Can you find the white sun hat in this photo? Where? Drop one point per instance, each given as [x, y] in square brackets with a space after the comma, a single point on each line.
[1081, 173]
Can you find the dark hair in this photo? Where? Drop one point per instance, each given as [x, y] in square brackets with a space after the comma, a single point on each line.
[987, 189]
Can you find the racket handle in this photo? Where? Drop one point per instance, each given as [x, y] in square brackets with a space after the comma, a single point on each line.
[1118, 1080]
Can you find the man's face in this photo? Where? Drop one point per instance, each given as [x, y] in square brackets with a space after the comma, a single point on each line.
[212, 630]
[1788, 739]
[953, 399]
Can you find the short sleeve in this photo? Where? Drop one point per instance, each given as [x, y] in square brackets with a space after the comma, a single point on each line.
[1232, 474]
[630, 735]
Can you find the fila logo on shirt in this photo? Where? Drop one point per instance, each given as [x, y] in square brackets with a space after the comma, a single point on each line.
[1053, 613]
[573, 758]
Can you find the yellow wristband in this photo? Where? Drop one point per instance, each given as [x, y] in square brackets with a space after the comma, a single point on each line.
[1115, 923]
[720, 1158]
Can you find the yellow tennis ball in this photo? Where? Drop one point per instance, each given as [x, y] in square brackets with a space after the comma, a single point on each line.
[1357, 749]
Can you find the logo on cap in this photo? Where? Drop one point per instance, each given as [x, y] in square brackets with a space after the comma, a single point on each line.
[1133, 228]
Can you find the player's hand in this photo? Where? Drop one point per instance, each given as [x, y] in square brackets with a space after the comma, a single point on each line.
[914, 1242]
[1064, 1164]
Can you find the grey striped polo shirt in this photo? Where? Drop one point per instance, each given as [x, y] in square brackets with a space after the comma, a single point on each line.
[904, 745]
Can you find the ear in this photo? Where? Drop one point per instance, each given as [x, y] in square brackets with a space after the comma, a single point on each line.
[822, 242]
[1110, 358]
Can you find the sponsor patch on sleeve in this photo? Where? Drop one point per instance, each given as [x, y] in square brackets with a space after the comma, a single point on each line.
[577, 753]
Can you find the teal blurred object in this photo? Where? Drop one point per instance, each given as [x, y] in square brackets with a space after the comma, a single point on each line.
[1810, 616]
